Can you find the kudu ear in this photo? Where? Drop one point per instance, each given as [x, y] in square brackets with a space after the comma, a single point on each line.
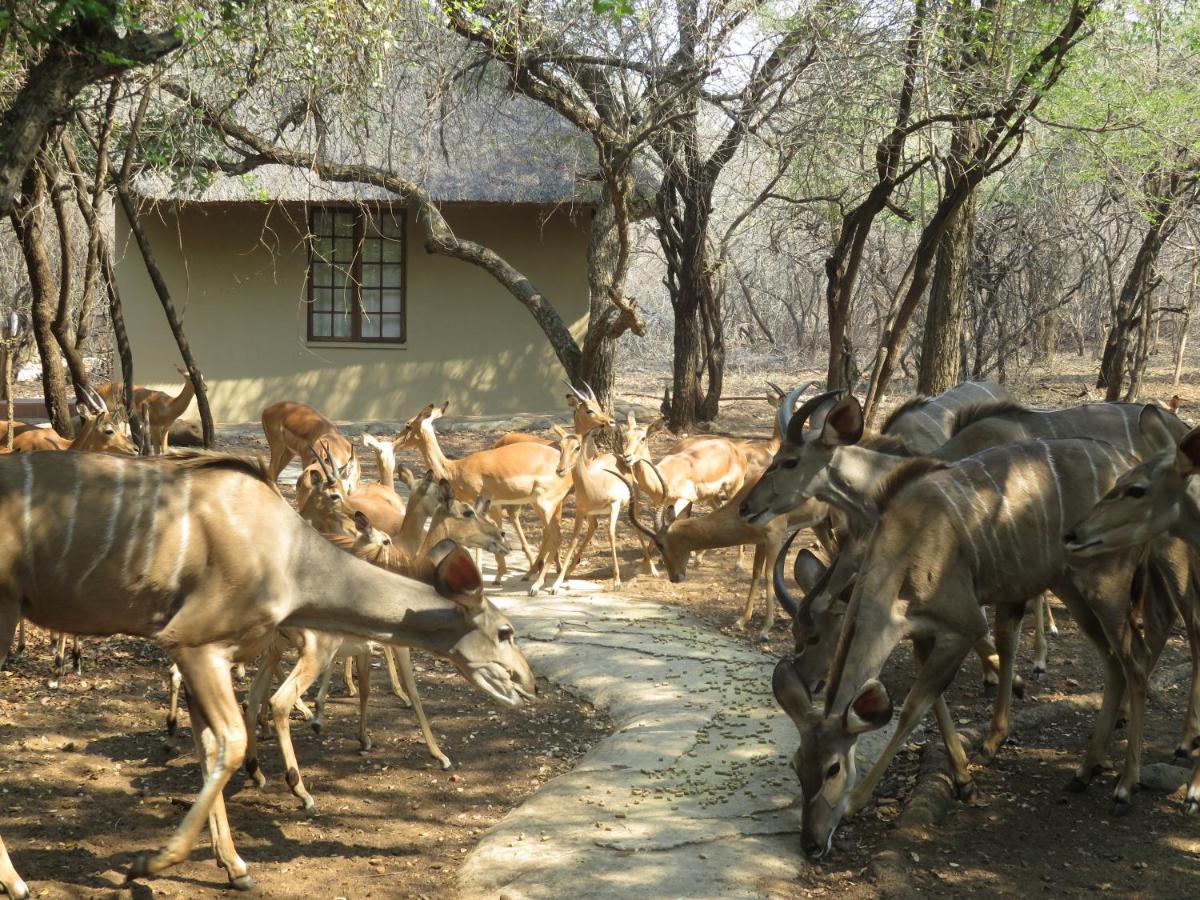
[1154, 435]
[455, 575]
[843, 423]
[790, 692]
[870, 709]
[572, 401]
[445, 491]
[1188, 455]
[656, 426]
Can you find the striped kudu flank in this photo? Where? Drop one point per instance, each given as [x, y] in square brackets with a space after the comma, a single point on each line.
[220, 563]
[984, 531]
[1157, 496]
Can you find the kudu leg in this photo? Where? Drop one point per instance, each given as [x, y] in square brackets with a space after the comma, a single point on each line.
[389, 658]
[938, 660]
[1188, 604]
[364, 692]
[404, 658]
[1008, 633]
[10, 622]
[348, 676]
[76, 655]
[176, 682]
[1041, 648]
[9, 879]
[60, 655]
[255, 698]
[220, 737]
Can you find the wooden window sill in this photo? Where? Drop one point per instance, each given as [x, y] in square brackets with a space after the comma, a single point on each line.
[354, 345]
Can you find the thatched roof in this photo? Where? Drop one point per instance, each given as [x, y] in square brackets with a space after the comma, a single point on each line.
[491, 148]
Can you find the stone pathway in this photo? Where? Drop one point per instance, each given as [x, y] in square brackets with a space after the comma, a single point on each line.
[691, 796]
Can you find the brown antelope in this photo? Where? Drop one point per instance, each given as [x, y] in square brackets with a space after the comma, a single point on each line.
[161, 409]
[200, 554]
[451, 520]
[516, 475]
[1157, 496]
[520, 437]
[678, 536]
[99, 432]
[597, 491]
[951, 540]
[295, 429]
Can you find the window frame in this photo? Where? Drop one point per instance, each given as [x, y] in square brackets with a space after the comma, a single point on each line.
[361, 213]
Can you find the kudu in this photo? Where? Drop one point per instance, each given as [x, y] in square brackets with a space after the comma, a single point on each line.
[296, 429]
[199, 554]
[1157, 496]
[955, 538]
[922, 424]
[162, 410]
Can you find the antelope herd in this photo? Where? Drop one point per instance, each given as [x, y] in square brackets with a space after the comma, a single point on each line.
[959, 503]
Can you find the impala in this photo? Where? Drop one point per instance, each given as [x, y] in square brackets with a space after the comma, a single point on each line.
[201, 555]
[161, 409]
[295, 429]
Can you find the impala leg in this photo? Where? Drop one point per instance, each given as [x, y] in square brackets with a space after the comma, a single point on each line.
[748, 611]
[318, 718]
[769, 552]
[938, 661]
[9, 879]
[280, 457]
[515, 515]
[1041, 648]
[316, 652]
[364, 692]
[255, 698]
[173, 703]
[613, 514]
[220, 737]
[573, 548]
[647, 566]
[76, 655]
[389, 659]
[410, 685]
[1008, 632]
[551, 544]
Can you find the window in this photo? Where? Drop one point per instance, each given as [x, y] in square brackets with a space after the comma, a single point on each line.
[356, 276]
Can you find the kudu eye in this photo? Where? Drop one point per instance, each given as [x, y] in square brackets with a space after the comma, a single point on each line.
[833, 770]
[468, 513]
[790, 463]
[1135, 491]
[813, 641]
[506, 634]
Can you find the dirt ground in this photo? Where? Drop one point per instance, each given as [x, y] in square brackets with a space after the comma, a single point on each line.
[85, 781]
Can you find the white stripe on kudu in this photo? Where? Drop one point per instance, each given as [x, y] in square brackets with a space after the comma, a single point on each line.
[1095, 477]
[76, 488]
[1010, 519]
[976, 501]
[131, 546]
[966, 529]
[152, 529]
[1057, 490]
[27, 512]
[110, 531]
[1128, 430]
[185, 530]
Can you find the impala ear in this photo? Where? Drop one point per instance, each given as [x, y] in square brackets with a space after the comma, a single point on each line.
[1188, 455]
[1154, 434]
[483, 504]
[369, 440]
[455, 575]
[445, 491]
[361, 522]
[844, 423]
[558, 430]
[657, 425]
[870, 709]
[790, 692]
[572, 401]
[630, 421]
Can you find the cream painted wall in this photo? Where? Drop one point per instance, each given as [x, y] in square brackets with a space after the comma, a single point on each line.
[237, 271]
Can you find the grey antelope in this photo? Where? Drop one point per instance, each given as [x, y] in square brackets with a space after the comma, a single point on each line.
[160, 408]
[951, 540]
[677, 537]
[295, 429]
[467, 526]
[200, 554]
[598, 490]
[515, 475]
[922, 424]
[1157, 496]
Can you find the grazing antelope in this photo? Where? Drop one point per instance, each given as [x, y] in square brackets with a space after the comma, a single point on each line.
[200, 554]
[951, 540]
[462, 523]
[677, 537]
[161, 409]
[597, 491]
[516, 475]
[295, 429]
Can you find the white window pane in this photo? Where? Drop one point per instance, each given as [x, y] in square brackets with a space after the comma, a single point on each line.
[320, 326]
[322, 299]
[321, 275]
[341, 326]
[392, 301]
[322, 223]
[391, 276]
[393, 251]
[392, 225]
[391, 327]
[370, 275]
[370, 301]
[344, 224]
[370, 326]
[343, 250]
[371, 250]
[322, 248]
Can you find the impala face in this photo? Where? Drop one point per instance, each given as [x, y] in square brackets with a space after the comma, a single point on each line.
[825, 760]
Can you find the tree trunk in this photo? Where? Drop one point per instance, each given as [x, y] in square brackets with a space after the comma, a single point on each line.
[28, 220]
[688, 356]
[941, 344]
[164, 297]
[1185, 321]
[605, 270]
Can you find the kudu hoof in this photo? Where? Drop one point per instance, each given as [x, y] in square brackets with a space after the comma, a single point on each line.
[990, 688]
[1018, 689]
[1076, 785]
[1039, 672]
[444, 761]
[242, 883]
[1121, 722]
[139, 868]
[966, 790]
[1182, 757]
[256, 773]
[1191, 807]
[1121, 807]
[316, 726]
